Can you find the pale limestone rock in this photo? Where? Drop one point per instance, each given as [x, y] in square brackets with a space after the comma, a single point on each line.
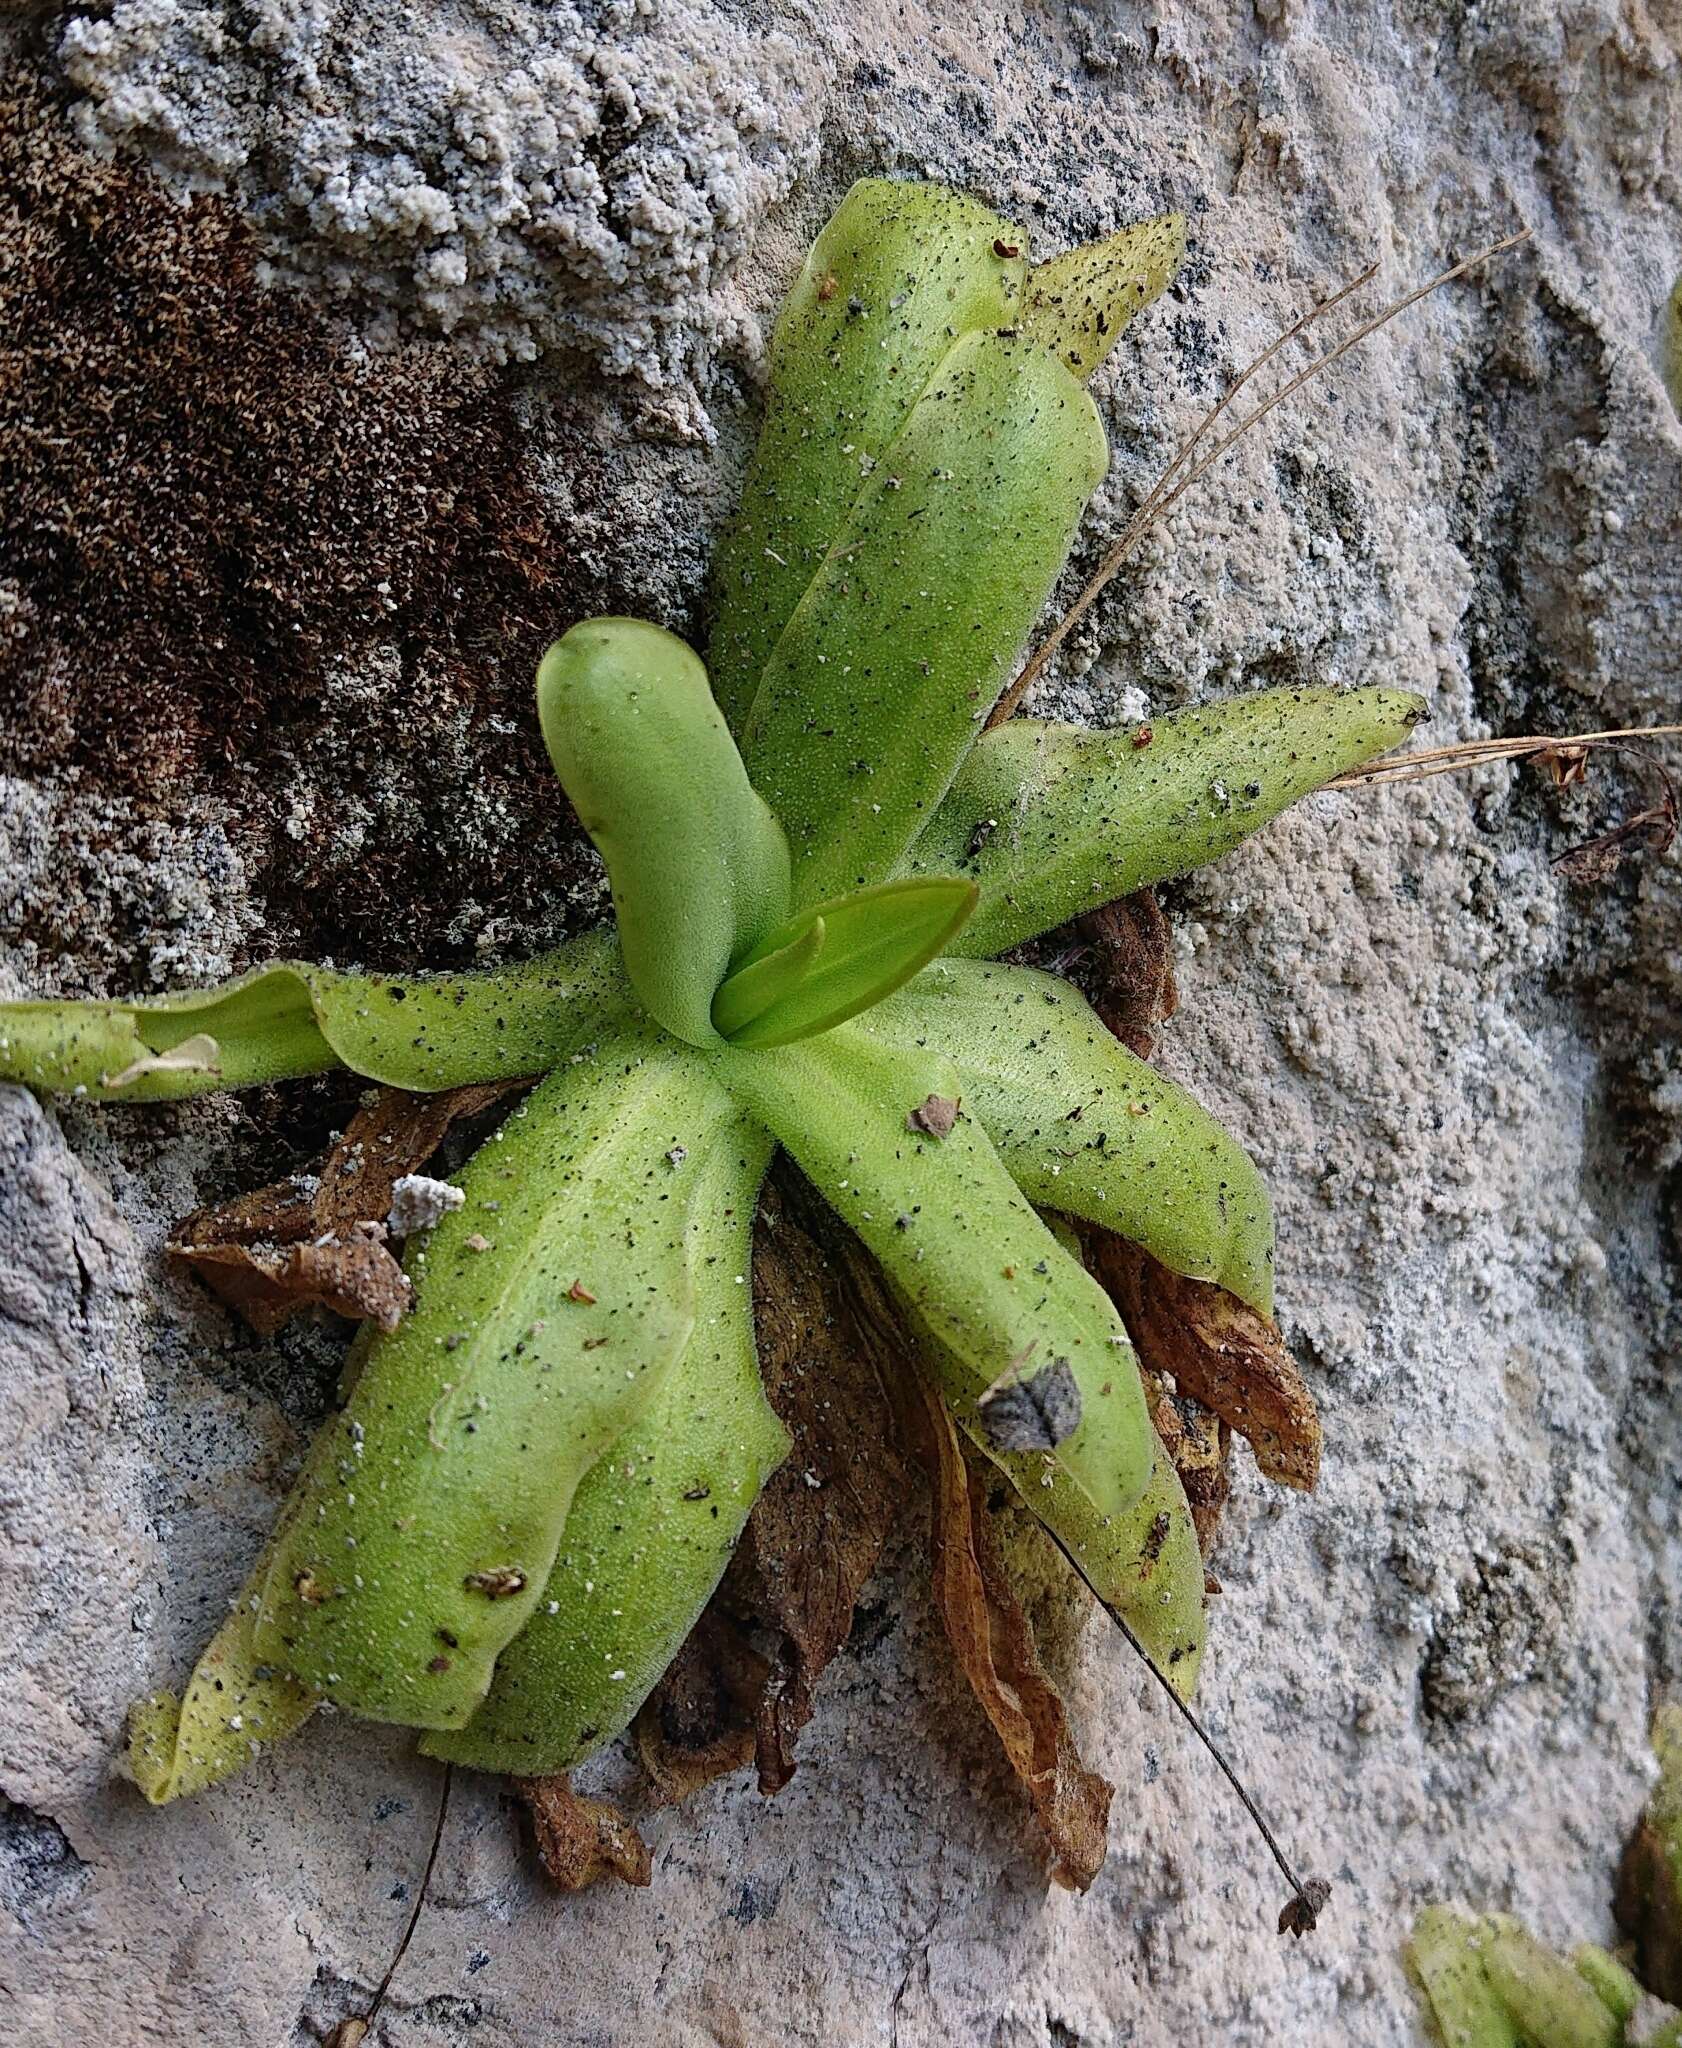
[1460, 1074]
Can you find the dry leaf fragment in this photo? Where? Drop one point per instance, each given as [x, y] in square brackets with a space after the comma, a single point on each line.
[1649, 831]
[268, 1284]
[199, 1054]
[1649, 1896]
[934, 1116]
[1197, 1441]
[993, 1642]
[1024, 1411]
[581, 1840]
[318, 1239]
[1128, 973]
[743, 1684]
[1219, 1350]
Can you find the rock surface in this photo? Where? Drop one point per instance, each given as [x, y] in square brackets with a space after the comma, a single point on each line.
[1461, 1072]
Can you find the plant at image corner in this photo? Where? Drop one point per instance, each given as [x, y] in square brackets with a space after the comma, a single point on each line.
[816, 850]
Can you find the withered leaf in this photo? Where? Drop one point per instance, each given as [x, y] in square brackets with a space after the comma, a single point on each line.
[581, 1840]
[993, 1642]
[1650, 831]
[318, 1239]
[1648, 1903]
[698, 1723]
[1127, 971]
[1197, 1441]
[395, 1135]
[1217, 1349]
[268, 1283]
[743, 1684]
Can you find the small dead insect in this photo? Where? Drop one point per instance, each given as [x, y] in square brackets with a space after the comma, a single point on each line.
[1143, 737]
[496, 1582]
[828, 285]
[984, 830]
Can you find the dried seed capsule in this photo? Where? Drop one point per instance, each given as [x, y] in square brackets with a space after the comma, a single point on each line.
[698, 864]
[1081, 818]
[432, 1504]
[652, 1525]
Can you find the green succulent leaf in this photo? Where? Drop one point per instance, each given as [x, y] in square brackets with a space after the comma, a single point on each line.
[698, 864]
[955, 1236]
[653, 1523]
[1054, 819]
[1615, 1987]
[1078, 304]
[548, 1312]
[898, 274]
[232, 1706]
[830, 963]
[1087, 1127]
[1145, 1563]
[913, 622]
[1545, 1996]
[1446, 1955]
[423, 1032]
[774, 975]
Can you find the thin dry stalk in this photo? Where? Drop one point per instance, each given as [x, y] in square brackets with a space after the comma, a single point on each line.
[1429, 761]
[1167, 492]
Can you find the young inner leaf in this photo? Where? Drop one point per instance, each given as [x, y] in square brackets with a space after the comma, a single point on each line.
[752, 990]
[871, 944]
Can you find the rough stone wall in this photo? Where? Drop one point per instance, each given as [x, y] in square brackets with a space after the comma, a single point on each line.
[1461, 1073]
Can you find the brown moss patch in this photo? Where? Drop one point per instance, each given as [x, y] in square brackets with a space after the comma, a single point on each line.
[241, 555]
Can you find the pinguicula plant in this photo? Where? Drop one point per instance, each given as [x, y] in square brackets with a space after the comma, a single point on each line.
[816, 851]
[1487, 1982]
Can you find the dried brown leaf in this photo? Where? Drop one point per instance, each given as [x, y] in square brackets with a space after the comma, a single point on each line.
[1217, 1349]
[1197, 1441]
[993, 1642]
[1128, 975]
[395, 1135]
[353, 1276]
[1649, 831]
[318, 1239]
[582, 1840]
[744, 1682]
